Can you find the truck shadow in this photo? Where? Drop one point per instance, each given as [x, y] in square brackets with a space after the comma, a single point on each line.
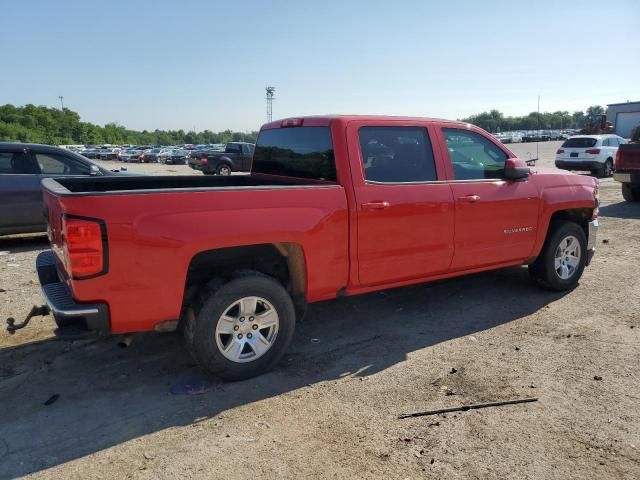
[24, 243]
[628, 210]
[108, 396]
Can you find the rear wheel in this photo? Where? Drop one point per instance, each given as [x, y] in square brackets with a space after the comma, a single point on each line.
[631, 193]
[242, 328]
[563, 257]
[607, 169]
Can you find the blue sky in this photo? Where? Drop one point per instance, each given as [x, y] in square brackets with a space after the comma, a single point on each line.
[204, 64]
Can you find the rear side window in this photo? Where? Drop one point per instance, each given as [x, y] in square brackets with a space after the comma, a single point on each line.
[16, 163]
[304, 152]
[397, 154]
[580, 142]
[233, 148]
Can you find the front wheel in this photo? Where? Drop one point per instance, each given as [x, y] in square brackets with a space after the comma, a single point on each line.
[563, 257]
[223, 169]
[243, 328]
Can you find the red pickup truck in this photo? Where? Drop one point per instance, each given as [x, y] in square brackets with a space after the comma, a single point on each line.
[335, 205]
[627, 172]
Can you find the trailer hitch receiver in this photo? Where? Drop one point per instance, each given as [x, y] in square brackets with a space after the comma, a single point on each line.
[36, 311]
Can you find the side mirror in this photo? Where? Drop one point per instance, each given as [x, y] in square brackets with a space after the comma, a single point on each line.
[515, 169]
[94, 171]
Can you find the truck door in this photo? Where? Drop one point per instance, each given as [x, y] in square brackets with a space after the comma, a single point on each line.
[404, 214]
[20, 193]
[495, 218]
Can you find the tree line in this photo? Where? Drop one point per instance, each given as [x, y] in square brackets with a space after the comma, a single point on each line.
[495, 121]
[53, 126]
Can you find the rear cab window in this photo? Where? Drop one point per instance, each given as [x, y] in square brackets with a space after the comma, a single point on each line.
[580, 142]
[302, 152]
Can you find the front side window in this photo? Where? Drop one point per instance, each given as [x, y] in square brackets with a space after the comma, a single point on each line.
[303, 152]
[473, 157]
[54, 164]
[397, 154]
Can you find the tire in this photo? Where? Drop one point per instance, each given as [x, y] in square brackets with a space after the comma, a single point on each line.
[223, 169]
[562, 234]
[235, 347]
[630, 193]
[607, 169]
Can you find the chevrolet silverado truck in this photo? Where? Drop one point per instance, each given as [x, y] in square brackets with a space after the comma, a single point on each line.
[628, 171]
[236, 157]
[334, 206]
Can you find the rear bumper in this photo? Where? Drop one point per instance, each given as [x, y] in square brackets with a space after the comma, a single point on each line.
[65, 310]
[579, 164]
[632, 178]
[592, 236]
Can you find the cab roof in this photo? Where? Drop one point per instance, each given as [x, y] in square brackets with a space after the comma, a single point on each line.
[326, 120]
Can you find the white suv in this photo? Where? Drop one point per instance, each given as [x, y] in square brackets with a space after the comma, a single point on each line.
[589, 152]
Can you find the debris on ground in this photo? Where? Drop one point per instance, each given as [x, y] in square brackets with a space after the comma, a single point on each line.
[52, 399]
[453, 370]
[191, 387]
[597, 377]
[464, 408]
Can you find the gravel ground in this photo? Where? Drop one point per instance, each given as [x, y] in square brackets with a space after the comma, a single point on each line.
[330, 409]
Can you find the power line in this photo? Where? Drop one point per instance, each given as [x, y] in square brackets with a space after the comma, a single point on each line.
[61, 103]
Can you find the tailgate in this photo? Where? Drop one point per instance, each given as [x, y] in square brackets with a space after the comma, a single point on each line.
[628, 157]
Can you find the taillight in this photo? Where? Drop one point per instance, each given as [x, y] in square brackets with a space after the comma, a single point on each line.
[204, 159]
[618, 159]
[84, 246]
[559, 151]
[593, 151]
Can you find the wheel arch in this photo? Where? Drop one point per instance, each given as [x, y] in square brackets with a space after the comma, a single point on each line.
[284, 261]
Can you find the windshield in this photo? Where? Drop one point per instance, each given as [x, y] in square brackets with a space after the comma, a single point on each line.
[580, 142]
[305, 152]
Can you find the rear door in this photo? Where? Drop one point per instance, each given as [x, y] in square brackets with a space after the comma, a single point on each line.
[495, 218]
[20, 195]
[404, 213]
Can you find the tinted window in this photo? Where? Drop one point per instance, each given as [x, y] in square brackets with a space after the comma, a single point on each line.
[613, 141]
[473, 156]
[233, 148]
[54, 164]
[15, 163]
[397, 154]
[305, 152]
[580, 142]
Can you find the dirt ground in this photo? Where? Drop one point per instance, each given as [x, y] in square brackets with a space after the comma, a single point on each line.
[330, 409]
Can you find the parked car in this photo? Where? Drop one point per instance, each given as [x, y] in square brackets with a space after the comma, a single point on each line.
[151, 155]
[132, 155]
[627, 172]
[22, 168]
[236, 157]
[174, 156]
[595, 153]
[109, 153]
[91, 153]
[334, 206]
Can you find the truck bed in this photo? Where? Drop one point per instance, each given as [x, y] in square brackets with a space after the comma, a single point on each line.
[163, 183]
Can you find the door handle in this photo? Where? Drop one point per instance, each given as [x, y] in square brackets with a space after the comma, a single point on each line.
[470, 198]
[375, 205]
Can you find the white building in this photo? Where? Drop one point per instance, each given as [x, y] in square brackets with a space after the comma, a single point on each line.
[624, 117]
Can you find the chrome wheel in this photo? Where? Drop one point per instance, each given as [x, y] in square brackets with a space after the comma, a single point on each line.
[567, 257]
[224, 170]
[247, 329]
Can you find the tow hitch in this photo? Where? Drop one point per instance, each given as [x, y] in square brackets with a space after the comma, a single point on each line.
[36, 311]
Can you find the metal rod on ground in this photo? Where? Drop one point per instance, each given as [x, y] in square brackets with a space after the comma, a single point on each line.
[464, 408]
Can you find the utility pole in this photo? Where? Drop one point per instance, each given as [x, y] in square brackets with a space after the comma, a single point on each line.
[61, 103]
[270, 98]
